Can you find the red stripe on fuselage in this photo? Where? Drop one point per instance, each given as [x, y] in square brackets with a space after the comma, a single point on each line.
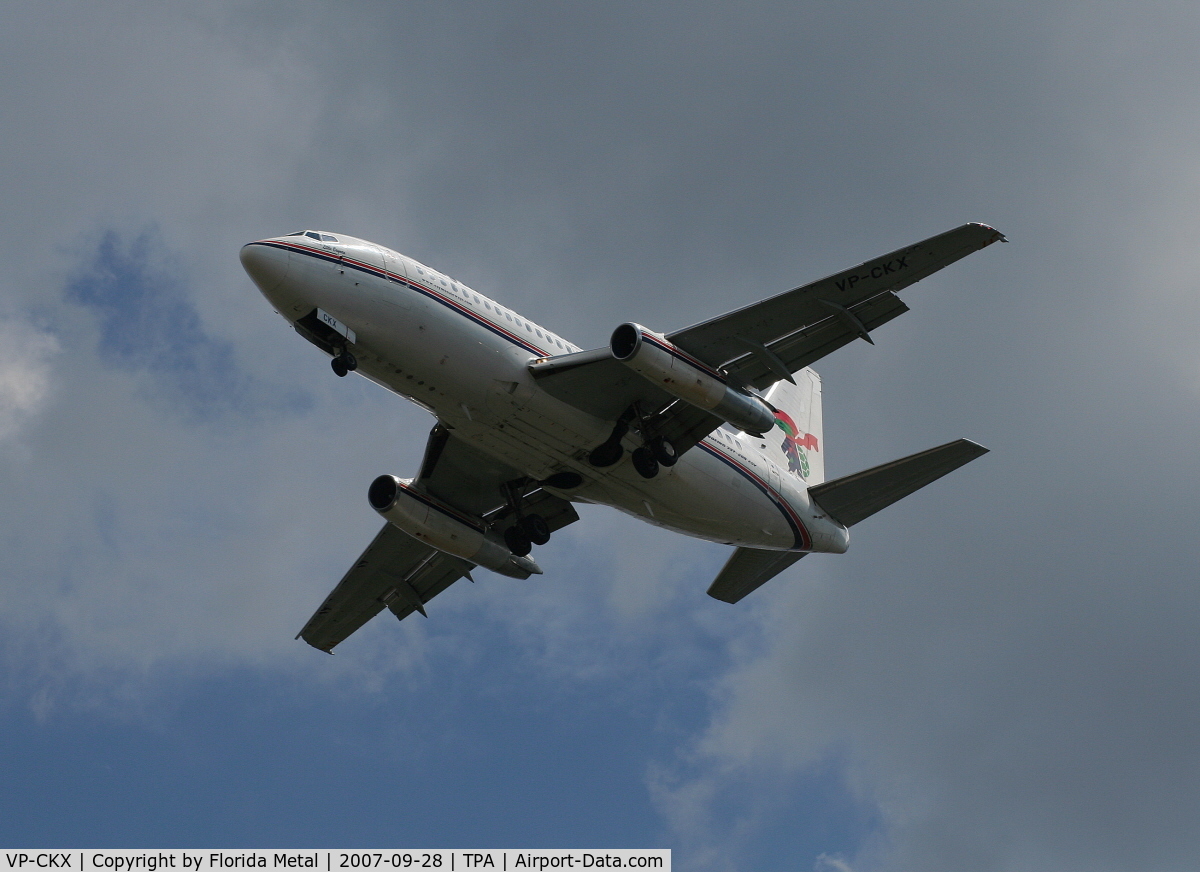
[803, 538]
[416, 286]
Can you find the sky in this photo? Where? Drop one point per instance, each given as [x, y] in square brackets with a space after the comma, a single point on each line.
[1002, 674]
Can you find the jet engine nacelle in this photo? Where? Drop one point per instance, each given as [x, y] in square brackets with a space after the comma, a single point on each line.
[438, 525]
[681, 375]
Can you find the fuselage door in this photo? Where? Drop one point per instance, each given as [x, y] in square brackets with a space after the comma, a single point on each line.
[394, 265]
[776, 484]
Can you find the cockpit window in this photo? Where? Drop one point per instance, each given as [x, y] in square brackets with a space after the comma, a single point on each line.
[325, 237]
[297, 233]
[320, 237]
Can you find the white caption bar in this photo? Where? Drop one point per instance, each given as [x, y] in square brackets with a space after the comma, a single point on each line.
[441, 859]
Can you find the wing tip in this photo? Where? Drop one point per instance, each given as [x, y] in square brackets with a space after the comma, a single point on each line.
[300, 636]
[724, 596]
[975, 448]
[994, 235]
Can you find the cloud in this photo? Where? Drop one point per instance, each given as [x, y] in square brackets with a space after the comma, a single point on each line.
[831, 863]
[998, 675]
[25, 380]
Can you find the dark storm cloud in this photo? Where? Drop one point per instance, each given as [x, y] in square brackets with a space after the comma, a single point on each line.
[1002, 669]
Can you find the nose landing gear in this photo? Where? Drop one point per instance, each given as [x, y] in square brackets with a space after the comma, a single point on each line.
[344, 363]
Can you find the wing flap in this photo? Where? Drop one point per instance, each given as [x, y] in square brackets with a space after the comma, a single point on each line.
[724, 338]
[393, 566]
[808, 345]
[411, 592]
[856, 497]
[747, 570]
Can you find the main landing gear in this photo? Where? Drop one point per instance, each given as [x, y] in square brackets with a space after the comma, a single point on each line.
[529, 530]
[344, 362]
[656, 452]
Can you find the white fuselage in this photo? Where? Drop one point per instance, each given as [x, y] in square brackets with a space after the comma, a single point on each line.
[464, 358]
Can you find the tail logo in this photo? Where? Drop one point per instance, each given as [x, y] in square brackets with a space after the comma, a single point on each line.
[794, 444]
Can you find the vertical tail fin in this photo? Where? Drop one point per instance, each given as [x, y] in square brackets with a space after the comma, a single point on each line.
[798, 442]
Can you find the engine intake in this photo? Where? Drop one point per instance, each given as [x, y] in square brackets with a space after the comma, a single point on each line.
[664, 364]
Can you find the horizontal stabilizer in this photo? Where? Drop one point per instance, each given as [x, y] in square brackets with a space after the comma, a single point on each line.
[856, 497]
[749, 569]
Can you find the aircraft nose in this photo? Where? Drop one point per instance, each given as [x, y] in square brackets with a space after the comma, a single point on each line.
[266, 264]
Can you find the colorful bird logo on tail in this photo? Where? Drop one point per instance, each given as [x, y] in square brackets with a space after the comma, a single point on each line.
[795, 444]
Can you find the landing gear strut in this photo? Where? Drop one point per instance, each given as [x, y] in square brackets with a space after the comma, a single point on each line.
[610, 452]
[344, 362]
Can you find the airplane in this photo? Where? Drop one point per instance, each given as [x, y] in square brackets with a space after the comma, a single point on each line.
[713, 431]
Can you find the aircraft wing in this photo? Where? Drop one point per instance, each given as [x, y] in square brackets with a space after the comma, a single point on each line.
[461, 476]
[401, 574]
[475, 483]
[761, 343]
[395, 572]
[774, 323]
[747, 570]
[600, 384]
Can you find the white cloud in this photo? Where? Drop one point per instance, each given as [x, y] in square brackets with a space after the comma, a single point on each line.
[831, 863]
[25, 373]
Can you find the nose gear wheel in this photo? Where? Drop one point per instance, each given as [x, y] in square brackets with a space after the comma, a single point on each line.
[344, 363]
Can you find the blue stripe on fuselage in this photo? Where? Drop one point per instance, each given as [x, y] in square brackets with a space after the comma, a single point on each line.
[802, 537]
[415, 286]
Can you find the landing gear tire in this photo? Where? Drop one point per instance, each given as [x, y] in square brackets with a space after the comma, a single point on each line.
[645, 463]
[535, 529]
[345, 362]
[664, 452]
[518, 543]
